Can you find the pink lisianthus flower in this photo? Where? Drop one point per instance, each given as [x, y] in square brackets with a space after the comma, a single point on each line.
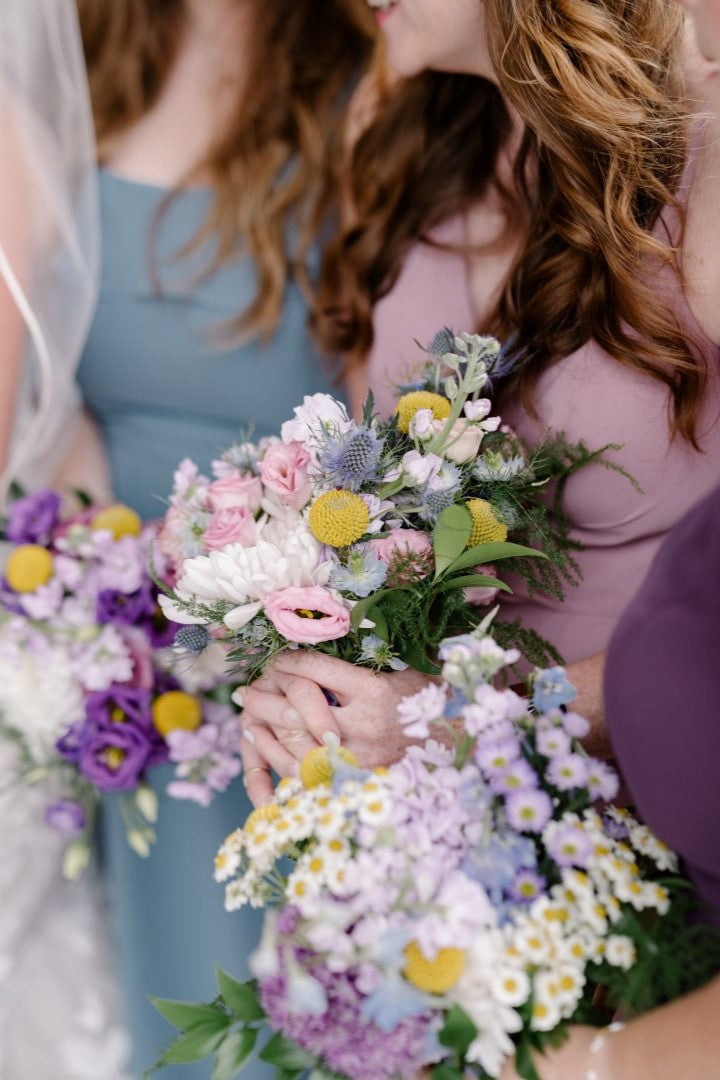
[239, 490]
[481, 595]
[284, 470]
[233, 525]
[141, 654]
[307, 615]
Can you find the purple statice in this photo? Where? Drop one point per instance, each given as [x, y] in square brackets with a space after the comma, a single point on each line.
[114, 758]
[349, 459]
[340, 1038]
[527, 886]
[31, 520]
[66, 816]
[568, 844]
[551, 689]
[44, 603]
[121, 563]
[568, 771]
[528, 810]
[416, 714]
[115, 606]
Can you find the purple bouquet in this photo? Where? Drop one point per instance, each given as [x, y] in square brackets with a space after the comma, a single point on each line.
[94, 694]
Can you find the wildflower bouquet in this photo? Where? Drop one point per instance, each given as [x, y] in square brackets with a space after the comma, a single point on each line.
[463, 905]
[368, 540]
[90, 696]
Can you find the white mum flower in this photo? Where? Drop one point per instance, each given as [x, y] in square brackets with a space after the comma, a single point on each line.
[40, 696]
[620, 951]
[319, 414]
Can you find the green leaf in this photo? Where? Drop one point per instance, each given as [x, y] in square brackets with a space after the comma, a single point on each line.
[446, 1072]
[490, 553]
[240, 998]
[363, 607]
[196, 1044]
[450, 536]
[183, 1015]
[475, 579]
[381, 627]
[286, 1054]
[414, 655]
[524, 1061]
[233, 1052]
[458, 1031]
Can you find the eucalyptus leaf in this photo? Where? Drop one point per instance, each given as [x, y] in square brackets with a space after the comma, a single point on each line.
[233, 1052]
[475, 579]
[450, 536]
[458, 1031]
[197, 1043]
[286, 1054]
[240, 998]
[184, 1015]
[490, 553]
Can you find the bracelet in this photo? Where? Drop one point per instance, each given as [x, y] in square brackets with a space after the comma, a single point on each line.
[598, 1043]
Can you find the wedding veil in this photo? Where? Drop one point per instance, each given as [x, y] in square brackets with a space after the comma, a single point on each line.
[49, 230]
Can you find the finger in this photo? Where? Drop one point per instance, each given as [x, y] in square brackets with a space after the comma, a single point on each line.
[273, 709]
[281, 758]
[256, 775]
[309, 704]
[345, 680]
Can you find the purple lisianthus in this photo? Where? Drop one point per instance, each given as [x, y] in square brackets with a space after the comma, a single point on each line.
[114, 758]
[120, 706]
[159, 629]
[70, 745]
[529, 810]
[66, 816]
[32, 519]
[127, 609]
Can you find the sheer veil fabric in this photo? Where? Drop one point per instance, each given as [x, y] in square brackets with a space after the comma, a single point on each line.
[58, 1001]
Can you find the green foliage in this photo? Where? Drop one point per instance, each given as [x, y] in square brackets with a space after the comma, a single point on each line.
[450, 536]
[286, 1054]
[458, 1032]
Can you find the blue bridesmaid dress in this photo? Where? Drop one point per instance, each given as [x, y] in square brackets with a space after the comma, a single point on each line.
[161, 389]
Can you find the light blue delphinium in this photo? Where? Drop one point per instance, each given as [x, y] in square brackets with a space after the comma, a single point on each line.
[363, 575]
[551, 689]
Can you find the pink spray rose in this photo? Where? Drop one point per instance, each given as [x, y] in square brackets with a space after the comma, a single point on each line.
[403, 542]
[481, 595]
[234, 525]
[307, 615]
[242, 489]
[284, 470]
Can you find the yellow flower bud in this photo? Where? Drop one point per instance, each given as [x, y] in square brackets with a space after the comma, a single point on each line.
[176, 711]
[338, 518]
[433, 976]
[29, 567]
[118, 519]
[411, 403]
[316, 767]
[486, 529]
[269, 812]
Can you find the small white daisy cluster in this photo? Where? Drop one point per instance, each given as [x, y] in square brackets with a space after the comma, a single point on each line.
[479, 877]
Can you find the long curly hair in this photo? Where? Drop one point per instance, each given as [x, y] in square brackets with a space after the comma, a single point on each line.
[599, 89]
[272, 163]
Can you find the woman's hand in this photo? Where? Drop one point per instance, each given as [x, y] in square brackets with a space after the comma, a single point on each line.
[286, 713]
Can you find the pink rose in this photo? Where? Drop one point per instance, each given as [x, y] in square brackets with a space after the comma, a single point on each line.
[307, 615]
[401, 543]
[242, 489]
[235, 525]
[284, 470]
[482, 595]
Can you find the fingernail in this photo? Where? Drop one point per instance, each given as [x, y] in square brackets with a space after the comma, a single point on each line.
[238, 697]
[247, 734]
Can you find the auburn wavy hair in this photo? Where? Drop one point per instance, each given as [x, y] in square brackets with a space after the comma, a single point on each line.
[599, 88]
[272, 164]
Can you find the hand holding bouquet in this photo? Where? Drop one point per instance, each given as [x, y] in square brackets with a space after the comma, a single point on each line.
[91, 696]
[464, 905]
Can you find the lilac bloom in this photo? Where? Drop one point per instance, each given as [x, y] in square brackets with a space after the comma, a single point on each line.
[66, 816]
[31, 520]
[529, 810]
[567, 771]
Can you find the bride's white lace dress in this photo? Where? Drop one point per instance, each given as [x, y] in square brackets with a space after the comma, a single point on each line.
[59, 1007]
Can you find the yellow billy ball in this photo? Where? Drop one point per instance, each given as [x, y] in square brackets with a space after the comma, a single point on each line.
[316, 767]
[176, 711]
[411, 403]
[118, 519]
[433, 976]
[486, 529]
[29, 567]
[269, 812]
[338, 518]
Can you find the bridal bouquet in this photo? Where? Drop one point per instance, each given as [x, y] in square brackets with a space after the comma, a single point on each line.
[91, 695]
[464, 905]
[369, 540]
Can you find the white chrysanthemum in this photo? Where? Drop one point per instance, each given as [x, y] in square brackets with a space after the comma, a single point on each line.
[245, 576]
[319, 415]
[40, 697]
[620, 951]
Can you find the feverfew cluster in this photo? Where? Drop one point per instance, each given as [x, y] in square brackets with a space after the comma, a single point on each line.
[93, 694]
[465, 902]
[346, 536]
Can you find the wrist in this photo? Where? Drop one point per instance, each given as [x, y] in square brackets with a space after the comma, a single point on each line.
[600, 1053]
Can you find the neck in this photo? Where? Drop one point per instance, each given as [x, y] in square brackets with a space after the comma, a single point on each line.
[215, 18]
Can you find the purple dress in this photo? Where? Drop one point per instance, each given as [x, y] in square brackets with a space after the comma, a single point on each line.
[661, 690]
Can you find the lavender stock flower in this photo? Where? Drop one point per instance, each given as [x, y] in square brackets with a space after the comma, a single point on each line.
[32, 519]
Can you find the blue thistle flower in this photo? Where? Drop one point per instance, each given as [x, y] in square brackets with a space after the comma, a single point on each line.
[350, 459]
[193, 638]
